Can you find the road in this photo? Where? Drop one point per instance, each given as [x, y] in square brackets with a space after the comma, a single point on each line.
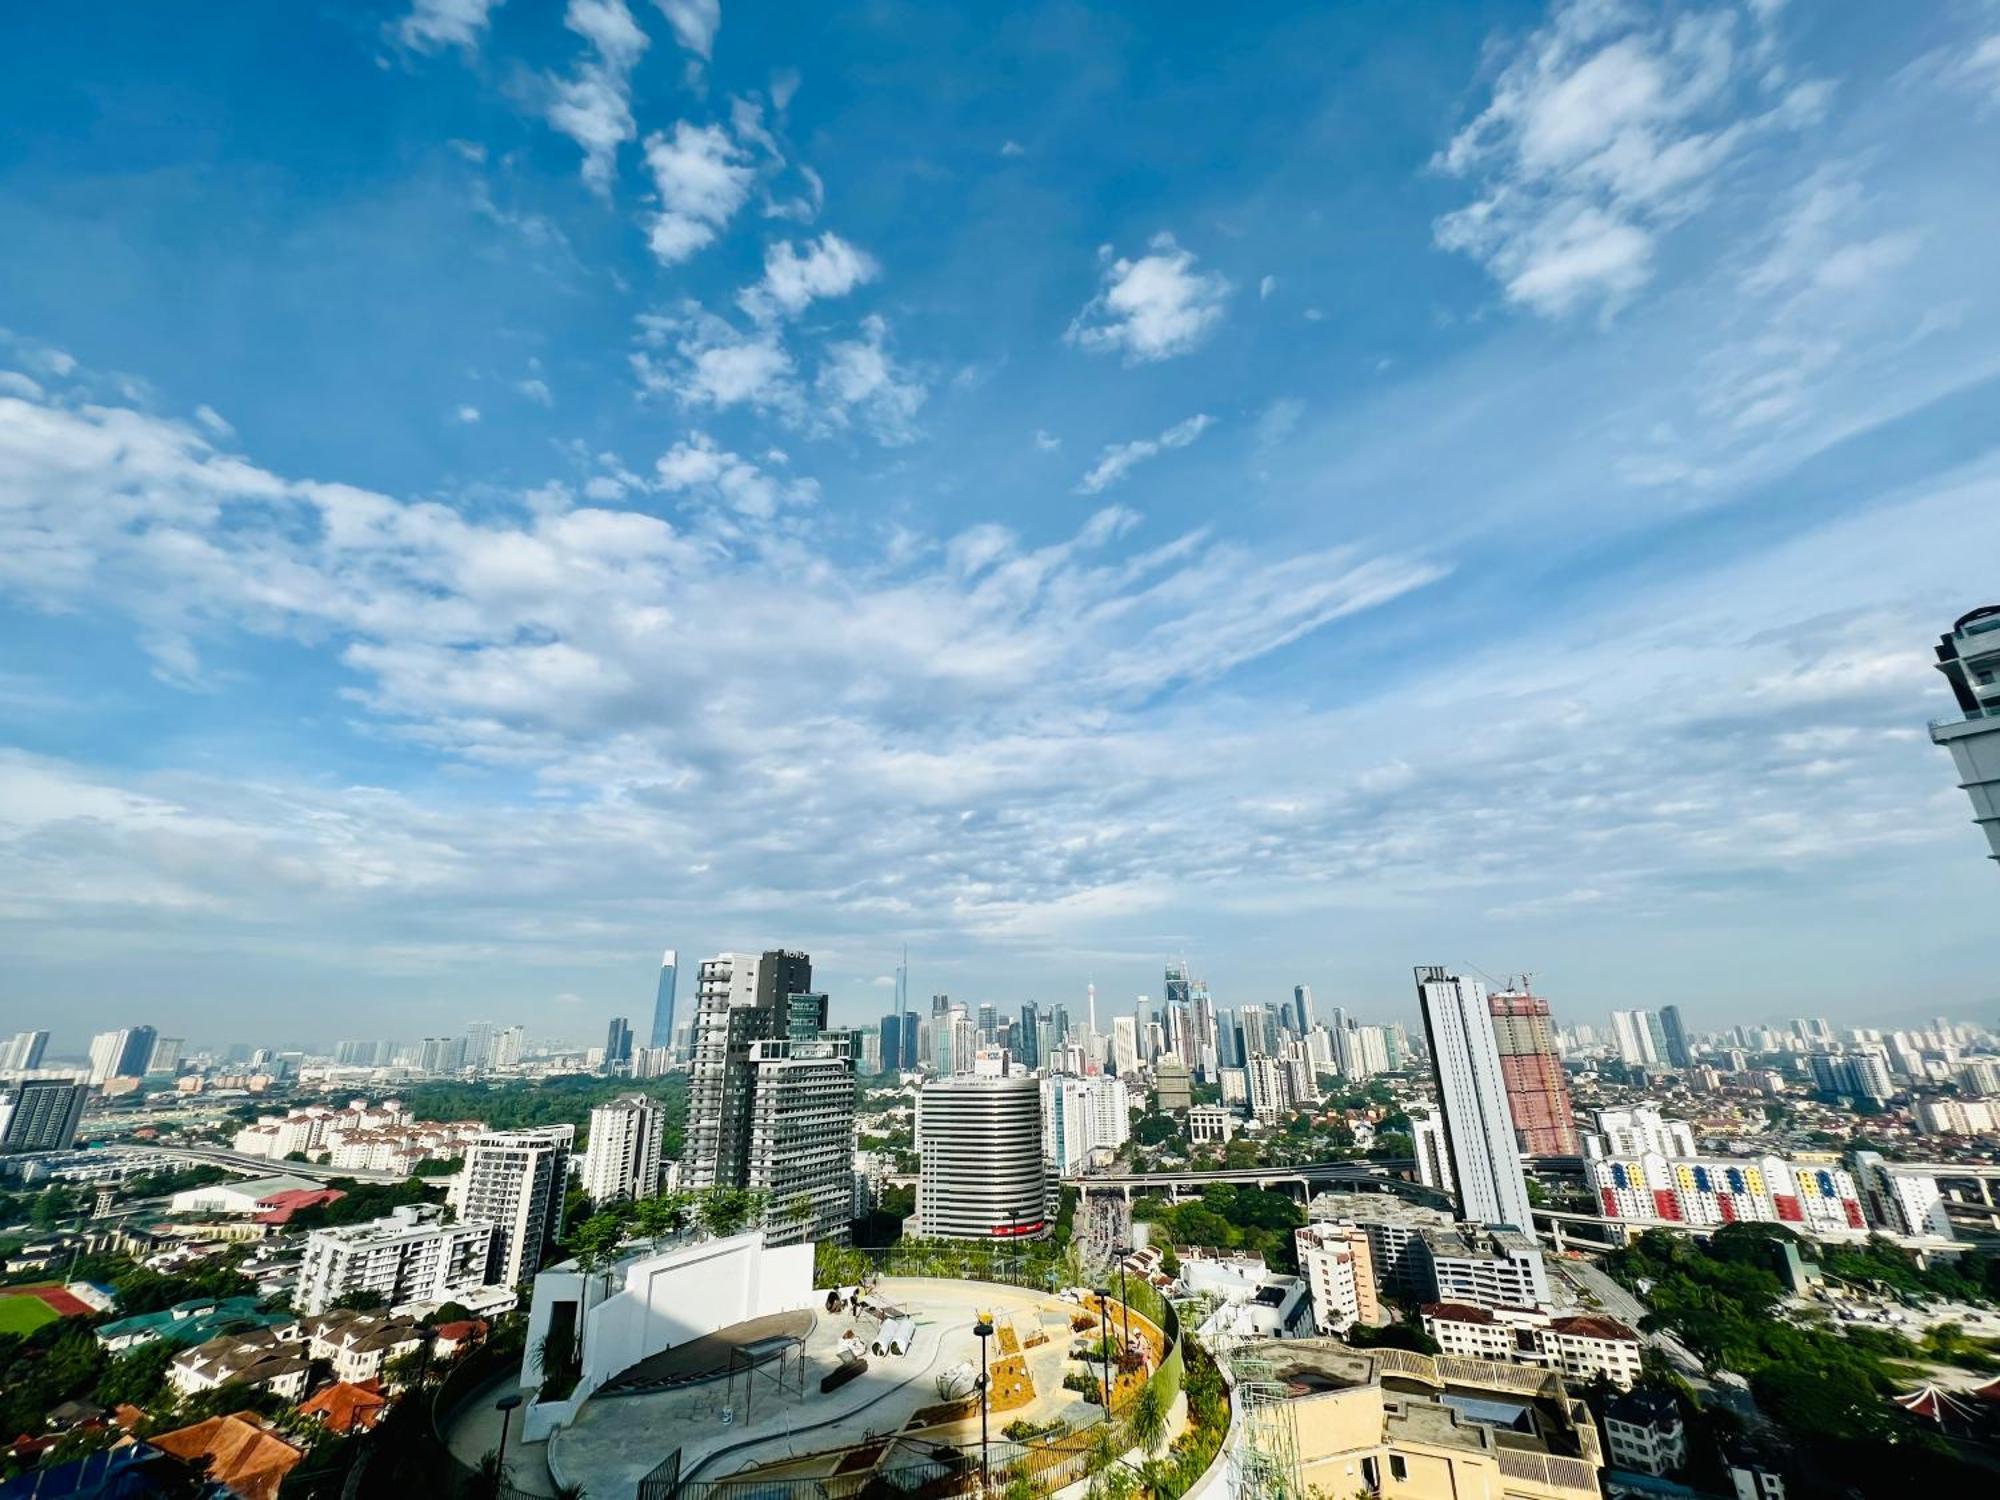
[258, 1166]
[1594, 1285]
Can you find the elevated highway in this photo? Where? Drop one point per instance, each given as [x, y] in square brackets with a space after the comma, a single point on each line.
[254, 1166]
[1391, 1174]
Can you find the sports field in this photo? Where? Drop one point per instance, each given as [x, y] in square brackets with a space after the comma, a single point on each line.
[24, 1313]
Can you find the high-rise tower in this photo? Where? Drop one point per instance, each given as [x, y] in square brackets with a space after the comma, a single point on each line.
[1969, 657]
[1472, 1092]
[663, 1002]
[1537, 1088]
[771, 1098]
[1679, 1054]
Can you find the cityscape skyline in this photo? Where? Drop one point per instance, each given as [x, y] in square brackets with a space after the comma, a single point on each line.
[373, 595]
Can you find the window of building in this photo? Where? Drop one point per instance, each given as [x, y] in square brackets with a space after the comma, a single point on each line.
[1399, 1467]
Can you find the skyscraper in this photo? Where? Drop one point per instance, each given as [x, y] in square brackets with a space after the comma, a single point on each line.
[910, 1024]
[22, 1052]
[139, 1043]
[1537, 1088]
[979, 1150]
[1302, 1007]
[770, 1100]
[892, 1043]
[1969, 657]
[618, 1045]
[121, 1054]
[1678, 1053]
[515, 1179]
[662, 1034]
[1027, 1043]
[622, 1157]
[1472, 1092]
[1633, 1032]
[1201, 1021]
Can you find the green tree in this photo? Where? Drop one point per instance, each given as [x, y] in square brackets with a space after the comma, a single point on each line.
[726, 1211]
[136, 1377]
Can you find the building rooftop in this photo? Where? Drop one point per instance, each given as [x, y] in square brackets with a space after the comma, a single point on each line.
[1642, 1407]
[244, 1455]
[1475, 1404]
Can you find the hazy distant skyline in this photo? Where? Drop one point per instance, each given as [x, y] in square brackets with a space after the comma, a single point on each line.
[491, 490]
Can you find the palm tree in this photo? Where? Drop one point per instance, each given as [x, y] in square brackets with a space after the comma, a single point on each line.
[1148, 1418]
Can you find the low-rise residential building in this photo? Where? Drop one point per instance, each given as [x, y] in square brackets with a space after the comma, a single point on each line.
[1580, 1347]
[265, 1359]
[343, 1407]
[1390, 1423]
[411, 1256]
[1211, 1124]
[1643, 1433]
[240, 1452]
[1277, 1307]
[1486, 1267]
[1754, 1474]
[1339, 1268]
[189, 1323]
[361, 1345]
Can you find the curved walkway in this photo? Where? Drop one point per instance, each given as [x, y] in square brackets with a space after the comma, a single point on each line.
[474, 1432]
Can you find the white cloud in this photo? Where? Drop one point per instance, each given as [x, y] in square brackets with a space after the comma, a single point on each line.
[860, 377]
[1605, 129]
[213, 420]
[709, 362]
[593, 106]
[1151, 308]
[697, 466]
[694, 23]
[1265, 287]
[702, 178]
[535, 389]
[467, 414]
[432, 24]
[829, 267]
[1013, 148]
[1003, 731]
[1046, 442]
[1119, 459]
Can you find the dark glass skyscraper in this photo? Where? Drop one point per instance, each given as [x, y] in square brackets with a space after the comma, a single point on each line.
[1678, 1053]
[892, 1043]
[617, 1044]
[663, 1004]
[1026, 1052]
[137, 1054]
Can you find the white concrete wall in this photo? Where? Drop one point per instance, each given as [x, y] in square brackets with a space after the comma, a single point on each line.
[667, 1299]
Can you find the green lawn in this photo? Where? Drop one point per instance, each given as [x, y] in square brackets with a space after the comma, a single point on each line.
[24, 1314]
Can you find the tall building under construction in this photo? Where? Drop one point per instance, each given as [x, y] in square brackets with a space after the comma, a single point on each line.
[1537, 1089]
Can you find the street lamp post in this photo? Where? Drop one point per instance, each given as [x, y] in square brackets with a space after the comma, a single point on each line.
[505, 1406]
[984, 1328]
[1121, 1252]
[1104, 1316]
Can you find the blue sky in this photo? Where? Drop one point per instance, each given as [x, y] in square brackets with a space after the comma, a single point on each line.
[491, 490]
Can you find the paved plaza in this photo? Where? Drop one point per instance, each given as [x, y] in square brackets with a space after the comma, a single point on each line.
[723, 1428]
